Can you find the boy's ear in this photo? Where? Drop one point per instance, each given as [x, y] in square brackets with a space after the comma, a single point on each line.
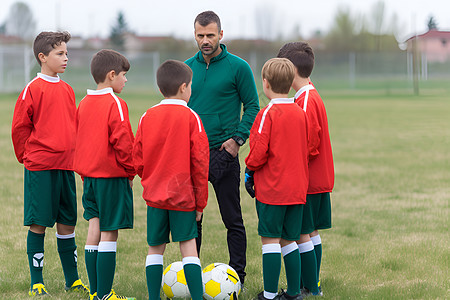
[110, 75]
[266, 83]
[41, 57]
[183, 87]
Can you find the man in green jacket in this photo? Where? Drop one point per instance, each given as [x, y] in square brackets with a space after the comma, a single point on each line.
[221, 85]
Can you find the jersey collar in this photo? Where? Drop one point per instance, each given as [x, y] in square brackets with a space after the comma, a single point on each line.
[303, 89]
[282, 101]
[174, 101]
[49, 78]
[104, 91]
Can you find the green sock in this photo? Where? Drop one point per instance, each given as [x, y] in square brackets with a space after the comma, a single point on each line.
[67, 250]
[106, 267]
[153, 272]
[271, 260]
[318, 250]
[35, 252]
[292, 264]
[193, 272]
[309, 266]
[90, 257]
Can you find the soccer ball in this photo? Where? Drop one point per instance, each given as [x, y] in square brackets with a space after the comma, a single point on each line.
[220, 282]
[174, 283]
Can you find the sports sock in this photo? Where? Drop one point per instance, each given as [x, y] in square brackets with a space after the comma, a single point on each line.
[154, 271]
[271, 260]
[90, 257]
[106, 267]
[35, 252]
[193, 272]
[309, 266]
[67, 250]
[292, 264]
[317, 242]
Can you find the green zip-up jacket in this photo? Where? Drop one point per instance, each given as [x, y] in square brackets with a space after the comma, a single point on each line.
[218, 90]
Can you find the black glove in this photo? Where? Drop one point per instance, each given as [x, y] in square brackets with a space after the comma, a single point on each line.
[249, 182]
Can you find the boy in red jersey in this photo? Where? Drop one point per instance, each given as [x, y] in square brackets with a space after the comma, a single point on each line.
[277, 164]
[171, 155]
[43, 135]
[317, 211]
[104, 160]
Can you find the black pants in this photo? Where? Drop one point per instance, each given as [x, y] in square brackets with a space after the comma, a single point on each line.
[224, 174]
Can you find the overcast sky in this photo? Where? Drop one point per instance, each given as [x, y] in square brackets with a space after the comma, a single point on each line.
[175, 17]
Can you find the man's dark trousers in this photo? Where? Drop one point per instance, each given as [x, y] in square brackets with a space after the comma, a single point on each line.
[224, 174]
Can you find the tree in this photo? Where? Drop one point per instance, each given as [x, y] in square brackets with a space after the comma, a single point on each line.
[118, 31]
[20, 21]
[432, 24]
[342, 35]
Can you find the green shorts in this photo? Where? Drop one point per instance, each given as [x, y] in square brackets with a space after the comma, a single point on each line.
[181, 225]
[317, 213]
[279, 221]
[110, 200]
[49, 197]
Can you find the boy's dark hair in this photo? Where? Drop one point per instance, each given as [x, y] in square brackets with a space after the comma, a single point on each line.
[301, 55]
[207, 17]
[171, 75]
[46, 41]
[279, 72]
[107, 60]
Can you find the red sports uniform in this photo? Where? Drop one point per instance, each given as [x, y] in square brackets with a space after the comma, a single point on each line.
[43, 127]
[321, 168]
[171, 155]
[279, 153]
[104, 136]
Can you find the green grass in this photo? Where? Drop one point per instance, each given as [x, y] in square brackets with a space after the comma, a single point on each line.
[390, 206]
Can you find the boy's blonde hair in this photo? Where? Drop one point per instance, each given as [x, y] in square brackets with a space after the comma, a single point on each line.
[279, 72]
[46, 41]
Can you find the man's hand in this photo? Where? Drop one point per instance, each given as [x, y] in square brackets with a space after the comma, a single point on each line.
[198, 216]
[231, 147]
[249, 182]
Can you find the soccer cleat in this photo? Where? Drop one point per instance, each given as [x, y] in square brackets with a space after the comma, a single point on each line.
[261, 297]
[77, 286]
[285, 296]
[93, 296]
[306, 293]
[38, 289]
[113, 296]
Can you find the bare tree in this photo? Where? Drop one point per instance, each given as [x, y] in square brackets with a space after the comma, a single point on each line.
[265, 21]
[20, 21]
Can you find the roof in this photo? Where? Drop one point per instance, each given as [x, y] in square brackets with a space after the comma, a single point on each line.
[433, 33]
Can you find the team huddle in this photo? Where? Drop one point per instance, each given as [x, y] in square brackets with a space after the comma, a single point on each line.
[191, 137]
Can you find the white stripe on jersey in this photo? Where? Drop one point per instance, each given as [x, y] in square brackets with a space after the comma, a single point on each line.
[264, 117]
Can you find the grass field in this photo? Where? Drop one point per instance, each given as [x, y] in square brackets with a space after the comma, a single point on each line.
[390, 235]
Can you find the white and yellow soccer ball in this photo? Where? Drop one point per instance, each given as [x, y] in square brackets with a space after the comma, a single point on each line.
[174, 283]
[220, 282]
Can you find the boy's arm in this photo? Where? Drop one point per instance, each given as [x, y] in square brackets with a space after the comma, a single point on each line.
[259, 143]
[22, 124]
[199, 163]
[122, 139]
[137, 151]
[314, 129]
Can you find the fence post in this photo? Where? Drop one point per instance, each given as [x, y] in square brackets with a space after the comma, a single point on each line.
[352, 69]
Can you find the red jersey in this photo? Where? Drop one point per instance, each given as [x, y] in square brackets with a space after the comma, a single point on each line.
[279, 154]
[321, 168]
[104, 136]
[43, 126]
[171, 155]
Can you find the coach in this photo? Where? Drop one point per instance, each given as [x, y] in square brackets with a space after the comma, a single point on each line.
[221, 85]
